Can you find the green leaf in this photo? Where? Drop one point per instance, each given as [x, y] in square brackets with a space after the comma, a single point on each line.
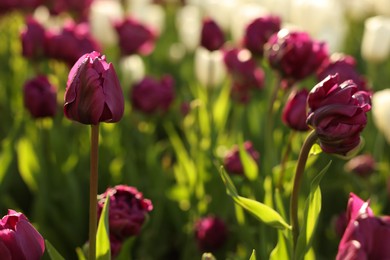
[315, 149]
[311, 213]
[6, 157]
[53, 253]
[282, 249]
[251, 169]
[259, 210]
[253, 255]
[28, 163]
[103, 251]
[80, 254]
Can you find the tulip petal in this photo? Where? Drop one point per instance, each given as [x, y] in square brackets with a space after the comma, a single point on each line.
[113, 94]
[4, 252]
[30, 241]
[11, 241]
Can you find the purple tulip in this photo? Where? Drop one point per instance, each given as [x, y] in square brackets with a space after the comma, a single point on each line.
[127, 212]
[294, 54]
[259, 31]
[33, 39]
[19, 240]
[210, 233]
[40, 97]
[366, 236]
[363, 165]
[212, 37]
[232, 161]
[151, 96]
[294, 112]
[337, 112]
[78, 8]
[134, 37]
[345, 67]
[73, 41]
[93, 93]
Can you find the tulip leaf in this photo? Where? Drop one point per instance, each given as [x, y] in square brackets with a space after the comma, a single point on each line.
[259, 210]
[80, 254]
[103, 251]
[311, 213]
[28, 163]
[251, 169]
[281, 251]
[53, 253]
[253, 255]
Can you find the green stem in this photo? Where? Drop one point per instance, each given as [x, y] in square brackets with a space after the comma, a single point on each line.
[93, 185]
[303, 155]
[283, 163]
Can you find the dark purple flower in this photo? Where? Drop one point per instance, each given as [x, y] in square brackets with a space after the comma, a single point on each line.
[72, 42]
[345, 67]
[232, 161]
[295, 55]
[337, 112]
[127, 211]
[78, 8]
[244, 72]
[294, 112]
[33, 39]
[259, 31]
[210, 233]
[134, 37]
[366, 236]
[19, 240]
[93, 92]
[151, 96]
[212, 37]
[340, 223]
[362, 165]
[40, 97]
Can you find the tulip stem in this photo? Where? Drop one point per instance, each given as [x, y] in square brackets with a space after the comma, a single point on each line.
[302, 159]
[283, 163]
[93, 185]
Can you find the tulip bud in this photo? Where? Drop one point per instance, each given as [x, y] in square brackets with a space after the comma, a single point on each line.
[294, 112]
[93, 93]
[40, 97]
[232, 161]
[151, 15]
[151, 96]
[33, 39]
[19, 239]
[337, 112]
[210, 233]
[376, 39]
[363, 165]
[209, 67]
[212, 37]
[381, 112]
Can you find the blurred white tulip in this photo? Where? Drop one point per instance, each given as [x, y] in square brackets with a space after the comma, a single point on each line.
[358, 10]
[101, 17]
[221, 11]
[151, 15]
[281, 8]
[132, 69]
[381, 112]
[376, 39]
[209, 67]
[53, 22]
[381, 7]
[189, 26]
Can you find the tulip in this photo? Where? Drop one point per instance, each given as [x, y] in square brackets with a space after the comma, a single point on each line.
[259, 31]
[345, 67]
[151, 96]
[152, 15]
[340, 224]
[19, 240]
[79, 8]
[232, 161]
[381, 7]
[337, 113]
[294, 112]
[212, 37]
[221, 11]
[189, 25]
[93, 93]
[209, 67]
[40, 97]
[33, 39]
[134, 37]
[128, 210]
[363, 165]
[381, 112]
[210, 233]
[132, 69]
[376, 39]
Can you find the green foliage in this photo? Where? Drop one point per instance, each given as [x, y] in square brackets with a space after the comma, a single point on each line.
[103, 251]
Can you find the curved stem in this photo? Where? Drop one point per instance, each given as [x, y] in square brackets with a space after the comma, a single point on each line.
[93, 186]
[302, 159]
[285, 158]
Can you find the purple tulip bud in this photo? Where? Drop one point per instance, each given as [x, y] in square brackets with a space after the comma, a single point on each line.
[363, 165]
[73, 41]
[294, 54]
[127, 212]
[212, 37]
[134, 37]
[210, 233]
[40, 97]
[33, 39]
[345, 67]
[259, 31]
[366, 236]
[294, 112]
[19, 239]
[232, 161]
[151, 96]
[337, 112]
[93, 93]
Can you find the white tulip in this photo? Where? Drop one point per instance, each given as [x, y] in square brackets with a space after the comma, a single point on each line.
[209, 67]
[132, 69]
[381, 7]
[281, 8]
[376, 39]
[221, 12]
[101, 17]
[358, 9]
[151, 15]
[381, 112]
[189, 26]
